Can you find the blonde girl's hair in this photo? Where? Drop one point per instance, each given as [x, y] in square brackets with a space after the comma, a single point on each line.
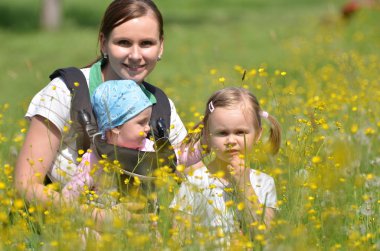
[228, 97]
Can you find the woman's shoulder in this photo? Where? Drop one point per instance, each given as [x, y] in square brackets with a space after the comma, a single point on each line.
[58, 82]
[86, 73]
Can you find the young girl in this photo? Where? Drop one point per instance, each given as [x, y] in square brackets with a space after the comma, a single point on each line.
[123, 113]
[227, 194]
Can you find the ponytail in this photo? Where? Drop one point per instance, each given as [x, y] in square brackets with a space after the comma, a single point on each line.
[274, 140]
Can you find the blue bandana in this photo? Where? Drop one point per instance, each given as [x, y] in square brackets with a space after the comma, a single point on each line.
[117, 101]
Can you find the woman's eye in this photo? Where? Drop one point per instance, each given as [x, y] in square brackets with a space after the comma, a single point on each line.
[124, 43]
[146, 43]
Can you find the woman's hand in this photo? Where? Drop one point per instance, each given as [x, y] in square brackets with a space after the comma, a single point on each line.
[36, 156]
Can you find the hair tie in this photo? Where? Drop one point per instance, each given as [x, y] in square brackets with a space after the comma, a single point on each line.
[211, 107]
[264, 114]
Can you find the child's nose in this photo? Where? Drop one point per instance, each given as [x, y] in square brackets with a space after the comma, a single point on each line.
[147, 128]
[230, 140]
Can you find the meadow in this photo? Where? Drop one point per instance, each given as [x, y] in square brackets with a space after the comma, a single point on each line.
[317, 73]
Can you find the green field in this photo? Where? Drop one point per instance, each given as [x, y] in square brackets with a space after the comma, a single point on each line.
[317, 73]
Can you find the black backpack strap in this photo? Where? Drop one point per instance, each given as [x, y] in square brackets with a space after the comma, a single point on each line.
[81, 110]
[161, 111]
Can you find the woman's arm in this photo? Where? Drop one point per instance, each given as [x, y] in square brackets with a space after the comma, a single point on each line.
[36, 156]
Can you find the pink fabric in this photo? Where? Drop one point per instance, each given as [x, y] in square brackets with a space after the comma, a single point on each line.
[148, 146]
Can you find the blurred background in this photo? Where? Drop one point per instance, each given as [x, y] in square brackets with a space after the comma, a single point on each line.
[199, 36]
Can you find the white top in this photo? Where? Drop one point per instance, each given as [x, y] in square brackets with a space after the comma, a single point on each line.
[53, 102]
[205, 196]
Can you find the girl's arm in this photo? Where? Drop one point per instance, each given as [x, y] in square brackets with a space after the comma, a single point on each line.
[187, 156]
[36, 156]
[240, 178]
[81, 178]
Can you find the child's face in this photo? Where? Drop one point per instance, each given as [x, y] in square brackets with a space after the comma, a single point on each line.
[231, 132]
[132, 133]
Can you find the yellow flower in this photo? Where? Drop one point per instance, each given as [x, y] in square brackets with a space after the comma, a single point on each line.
[19, 203]
[136, 181]
[354, 128]
[54, 243]
[370, 176]
[220, 174]
[180, 168]
[316, 159]
[369, 131]
[259, 237]
[154, 218]
[3, 217]
[219, 232]
[261, 227]
[240, 206]
[229, 203]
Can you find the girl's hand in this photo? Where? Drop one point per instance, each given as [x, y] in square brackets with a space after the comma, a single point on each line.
[238, 172]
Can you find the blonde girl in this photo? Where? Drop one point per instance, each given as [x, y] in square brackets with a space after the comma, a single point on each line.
[231, 126]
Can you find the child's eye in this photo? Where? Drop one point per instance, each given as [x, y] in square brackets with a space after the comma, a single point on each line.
[144, 122]
[221, 133]
[241, 133]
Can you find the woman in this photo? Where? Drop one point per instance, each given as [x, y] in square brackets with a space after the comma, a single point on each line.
[131, 42]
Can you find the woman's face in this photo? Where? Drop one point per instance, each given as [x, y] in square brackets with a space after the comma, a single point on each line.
[133, 49]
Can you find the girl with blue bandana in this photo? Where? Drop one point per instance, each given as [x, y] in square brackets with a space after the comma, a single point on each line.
[123, 113]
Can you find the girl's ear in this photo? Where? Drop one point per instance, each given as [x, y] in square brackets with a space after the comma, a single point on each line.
[115, 131]
[112, 135]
